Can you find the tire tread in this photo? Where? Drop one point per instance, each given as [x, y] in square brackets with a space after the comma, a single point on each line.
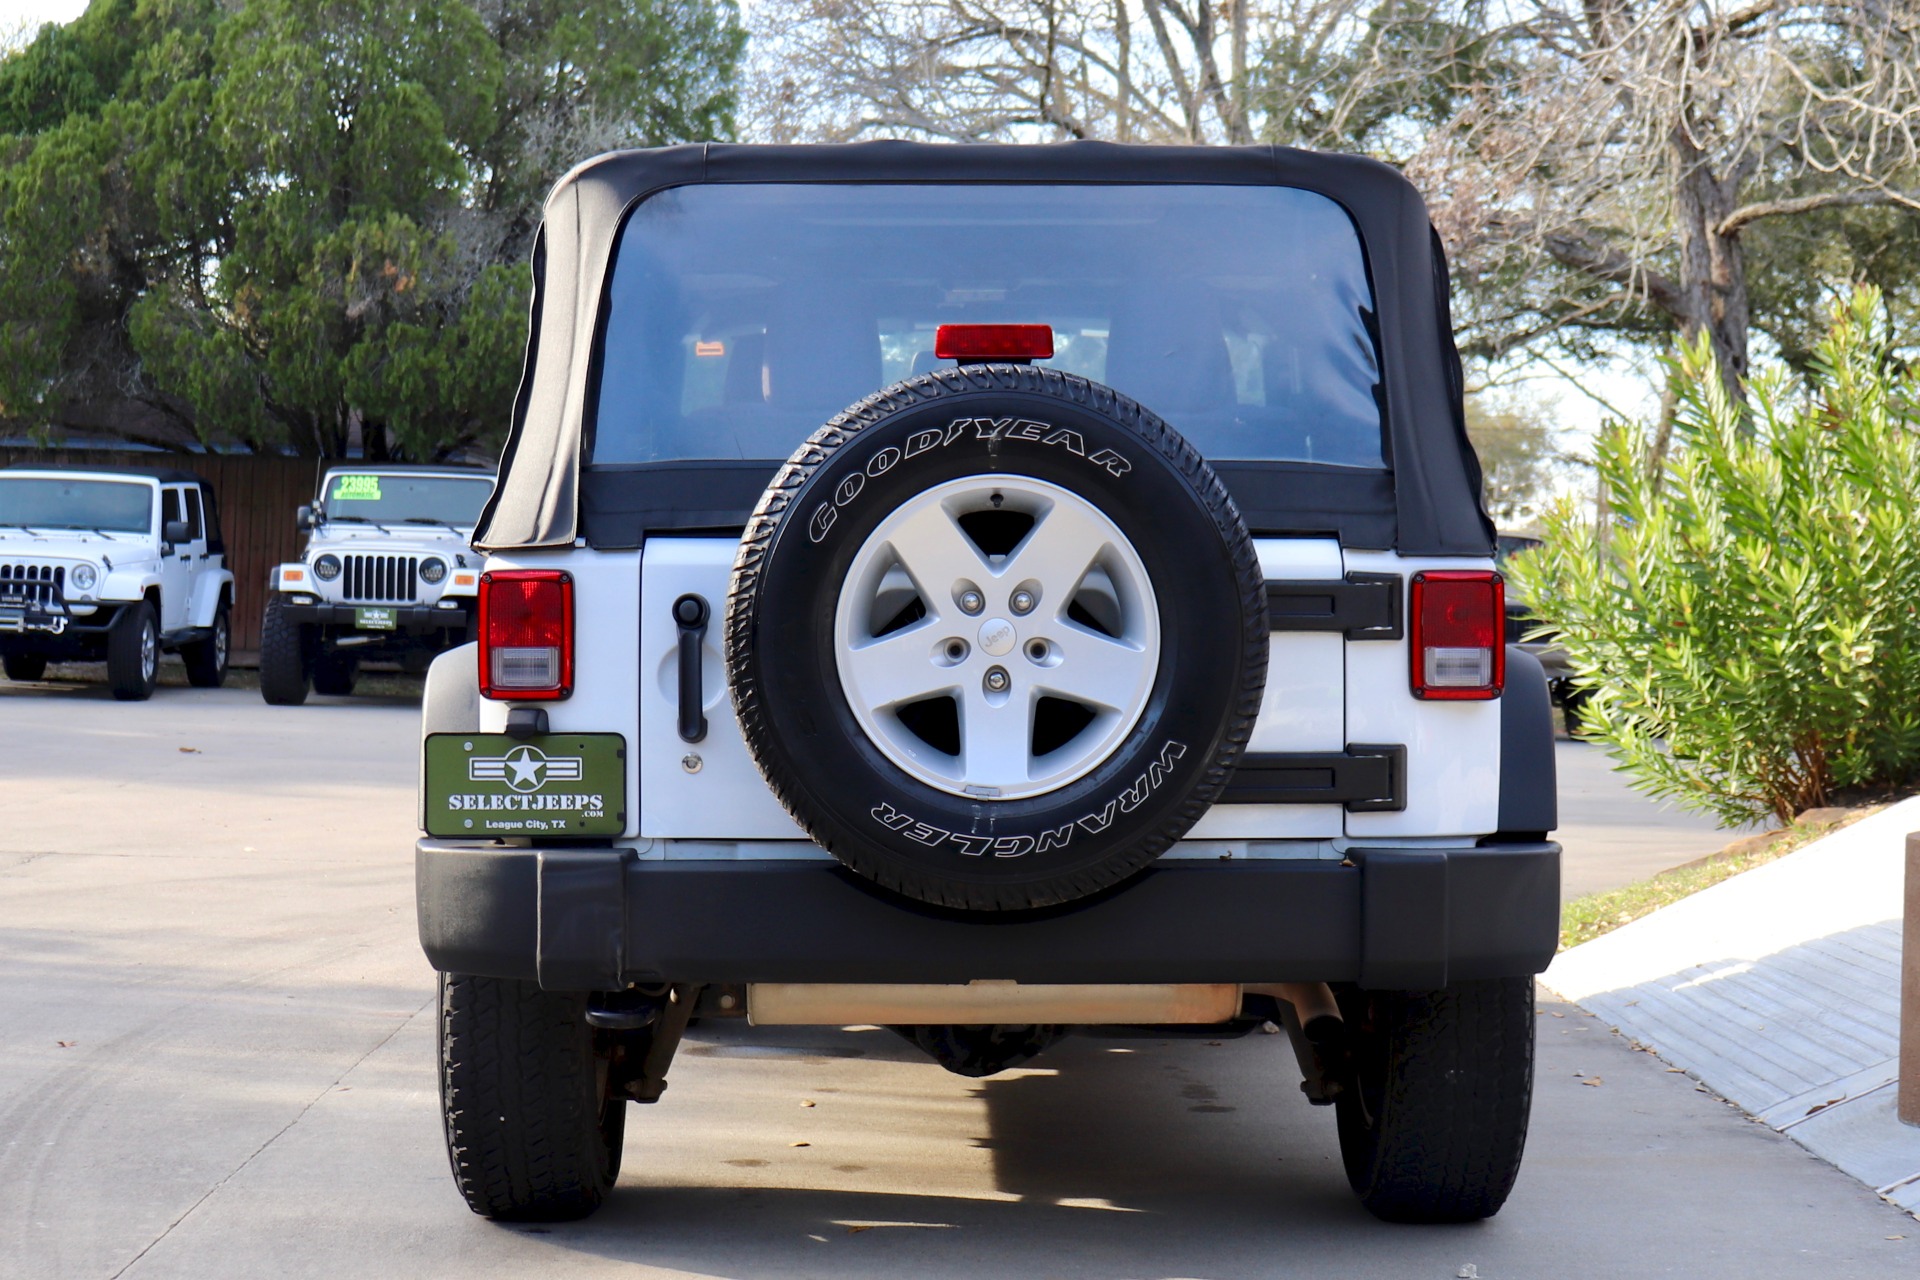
[519, 1101]
[1447, 1144]
[284, 675]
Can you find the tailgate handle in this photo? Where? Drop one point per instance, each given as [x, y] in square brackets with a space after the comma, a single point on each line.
[690, 614]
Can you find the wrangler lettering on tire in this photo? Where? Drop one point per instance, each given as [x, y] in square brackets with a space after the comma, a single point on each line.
[960, 644]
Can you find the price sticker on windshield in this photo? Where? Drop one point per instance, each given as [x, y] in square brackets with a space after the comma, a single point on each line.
[356, 488]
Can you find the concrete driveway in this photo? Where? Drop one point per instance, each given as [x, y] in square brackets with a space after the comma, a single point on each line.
[1614, 835]
[216, 1059]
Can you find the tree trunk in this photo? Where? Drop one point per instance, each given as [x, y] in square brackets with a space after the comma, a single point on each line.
[1713, 269]
[1663, 432]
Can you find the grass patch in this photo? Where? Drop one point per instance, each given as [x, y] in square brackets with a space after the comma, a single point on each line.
[1585, 919]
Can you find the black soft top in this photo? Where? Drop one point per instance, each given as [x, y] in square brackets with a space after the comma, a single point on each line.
[1426, 503]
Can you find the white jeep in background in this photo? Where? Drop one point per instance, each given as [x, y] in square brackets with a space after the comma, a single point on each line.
[112, 563]
[387, 574]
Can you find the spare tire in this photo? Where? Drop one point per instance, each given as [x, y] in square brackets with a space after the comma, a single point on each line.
[996, 637]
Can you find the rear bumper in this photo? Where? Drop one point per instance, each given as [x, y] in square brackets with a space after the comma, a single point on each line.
[596, 919]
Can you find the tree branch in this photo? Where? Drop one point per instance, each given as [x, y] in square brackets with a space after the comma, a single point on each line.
[1731, 224]
[1603, 263]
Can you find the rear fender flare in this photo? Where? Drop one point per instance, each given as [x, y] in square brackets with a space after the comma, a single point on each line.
[1529, 796]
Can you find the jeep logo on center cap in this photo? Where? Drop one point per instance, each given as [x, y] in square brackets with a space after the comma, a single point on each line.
[996, 637]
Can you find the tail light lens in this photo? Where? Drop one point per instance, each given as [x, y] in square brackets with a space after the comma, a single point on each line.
[1459, 643]
[993, 342]
[526, 634]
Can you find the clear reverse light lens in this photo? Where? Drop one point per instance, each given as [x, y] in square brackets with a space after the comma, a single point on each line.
[1459, 668]
[327, 568]
[519, 668]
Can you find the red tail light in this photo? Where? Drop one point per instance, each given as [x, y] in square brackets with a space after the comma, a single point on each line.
[1459, 640]
[993, 342]
[526, 634]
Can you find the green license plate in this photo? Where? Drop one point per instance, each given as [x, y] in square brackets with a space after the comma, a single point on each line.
[558, 784]
[373, 619]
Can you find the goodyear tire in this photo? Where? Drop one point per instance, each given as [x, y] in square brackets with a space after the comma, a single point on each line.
[996, 637]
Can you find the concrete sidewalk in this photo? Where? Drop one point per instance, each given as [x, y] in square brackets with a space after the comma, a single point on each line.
[1780, 990]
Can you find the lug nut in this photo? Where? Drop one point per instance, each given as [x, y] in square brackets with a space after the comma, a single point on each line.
[997, 681]
[1023, 602]
[972, 602]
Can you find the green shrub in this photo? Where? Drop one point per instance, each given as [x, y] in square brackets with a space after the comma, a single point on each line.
[1746, 616]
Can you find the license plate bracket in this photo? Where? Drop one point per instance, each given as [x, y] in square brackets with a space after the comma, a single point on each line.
[559, 784]
[376, 619]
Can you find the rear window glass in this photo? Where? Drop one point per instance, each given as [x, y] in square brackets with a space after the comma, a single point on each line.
[742, 317]
[110, 505]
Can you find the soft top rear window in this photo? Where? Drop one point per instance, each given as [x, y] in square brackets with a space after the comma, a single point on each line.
[742, 316]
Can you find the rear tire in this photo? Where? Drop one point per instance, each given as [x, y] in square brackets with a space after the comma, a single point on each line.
[334, 674]
[532, 1132]
[24, 666]
[133, 653]
[207, 659]
[1434, 1128]
[283, 657]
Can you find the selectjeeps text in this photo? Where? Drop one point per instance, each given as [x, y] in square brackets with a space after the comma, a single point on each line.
[988, 592]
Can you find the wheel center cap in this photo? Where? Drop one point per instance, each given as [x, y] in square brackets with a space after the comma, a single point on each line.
[997, 637]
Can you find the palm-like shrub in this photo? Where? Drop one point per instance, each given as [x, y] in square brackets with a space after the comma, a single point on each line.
[1748, 614]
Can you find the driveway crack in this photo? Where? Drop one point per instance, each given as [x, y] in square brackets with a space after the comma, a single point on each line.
[300, 1115]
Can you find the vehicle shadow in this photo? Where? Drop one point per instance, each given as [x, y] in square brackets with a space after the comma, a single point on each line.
[1108, 1157]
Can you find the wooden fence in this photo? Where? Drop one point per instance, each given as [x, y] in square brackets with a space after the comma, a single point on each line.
[257, 497]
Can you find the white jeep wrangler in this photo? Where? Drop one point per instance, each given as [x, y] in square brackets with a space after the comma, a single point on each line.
[112, 563]
[387, 573]
[988, 592]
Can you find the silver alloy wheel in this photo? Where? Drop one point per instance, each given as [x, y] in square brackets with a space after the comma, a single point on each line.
[149, 650]
[1036, 697]
[222, 630]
